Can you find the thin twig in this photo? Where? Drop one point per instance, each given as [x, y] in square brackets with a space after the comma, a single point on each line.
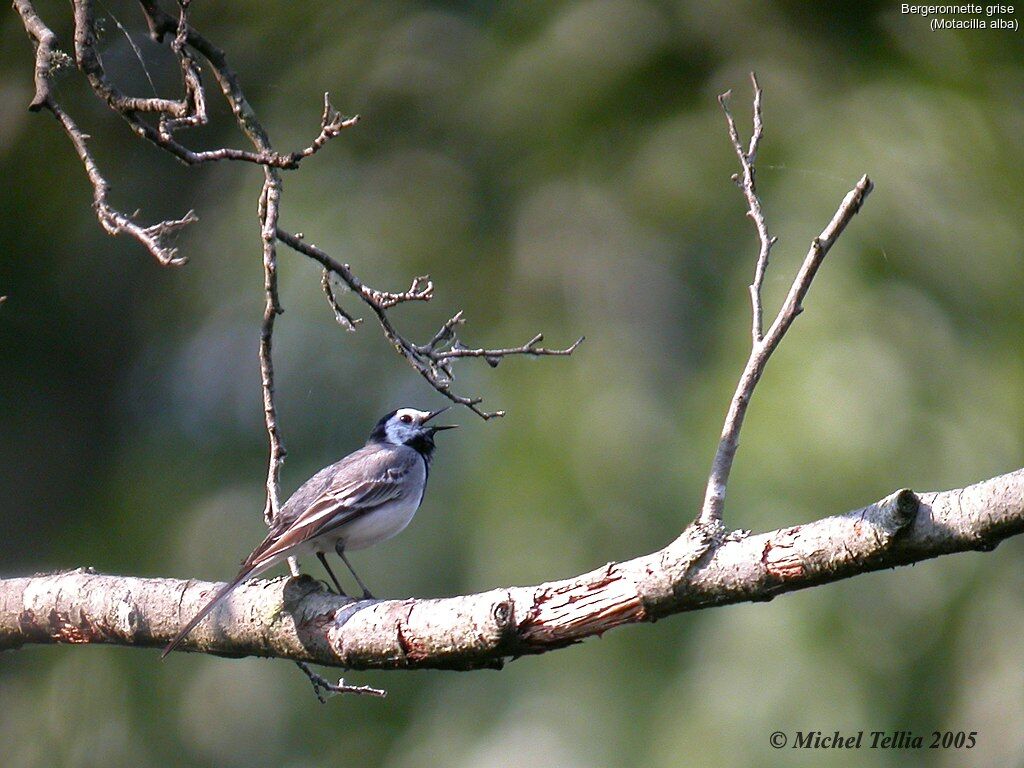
[322, 687]
[194, 95]
[332, 123]
[46, 46]
[433, 360]
[158, 120]
[746, 182]
[154, 237]
[268, 210]
[764, 344]
[494, 355]
[345, 320]
[173, 114]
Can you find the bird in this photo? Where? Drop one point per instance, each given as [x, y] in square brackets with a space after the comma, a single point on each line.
[364, 499]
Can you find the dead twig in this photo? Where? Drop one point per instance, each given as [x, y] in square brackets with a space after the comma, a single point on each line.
[160, 120]
[764, 344]
[433, 360]
[323, 688]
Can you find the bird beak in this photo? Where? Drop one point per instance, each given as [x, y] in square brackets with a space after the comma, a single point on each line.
[438, 413]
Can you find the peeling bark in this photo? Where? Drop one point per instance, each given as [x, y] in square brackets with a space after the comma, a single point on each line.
[297, 619]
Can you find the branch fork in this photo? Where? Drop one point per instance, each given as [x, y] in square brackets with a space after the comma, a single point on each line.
[707, 565]
[298, 620]
[764, 344]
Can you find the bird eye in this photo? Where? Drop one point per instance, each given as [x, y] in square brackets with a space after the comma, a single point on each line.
[405, 418]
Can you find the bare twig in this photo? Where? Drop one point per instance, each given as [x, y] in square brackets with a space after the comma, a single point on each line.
[268, 210]
[161, 24]
[46, 47]
[746, 182]
[433, 360]
[154, 237]
[322, 687]
[195, 97]
[763, 345]
[345, 320]
[493, 356]
[89, 64]
[173, 114]
[331, 124]
[421, 289]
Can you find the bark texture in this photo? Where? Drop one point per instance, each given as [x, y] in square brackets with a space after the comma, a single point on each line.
[296, 619]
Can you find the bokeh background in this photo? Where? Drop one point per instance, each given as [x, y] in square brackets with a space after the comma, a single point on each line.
[562, 167]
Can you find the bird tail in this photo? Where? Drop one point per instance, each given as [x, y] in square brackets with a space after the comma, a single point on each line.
[214, 601]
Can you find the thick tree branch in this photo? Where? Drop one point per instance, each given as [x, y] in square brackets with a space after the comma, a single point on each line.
[157, 120]
[296, 619]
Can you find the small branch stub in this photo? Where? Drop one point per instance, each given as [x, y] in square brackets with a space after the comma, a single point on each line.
[323, 688]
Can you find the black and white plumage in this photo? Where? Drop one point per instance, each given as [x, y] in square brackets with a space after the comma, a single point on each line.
[364, 499]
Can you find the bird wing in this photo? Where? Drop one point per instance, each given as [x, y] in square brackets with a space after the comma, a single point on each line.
[339, 494]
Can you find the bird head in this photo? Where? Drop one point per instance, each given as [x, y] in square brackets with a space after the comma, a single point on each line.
[408, 426]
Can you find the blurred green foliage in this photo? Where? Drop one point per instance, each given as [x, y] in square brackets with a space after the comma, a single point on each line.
[560, 167]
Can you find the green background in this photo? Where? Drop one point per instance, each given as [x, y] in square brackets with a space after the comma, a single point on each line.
[560, 167]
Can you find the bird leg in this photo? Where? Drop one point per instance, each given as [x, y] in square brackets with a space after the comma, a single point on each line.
[320, 556]
[340, 549]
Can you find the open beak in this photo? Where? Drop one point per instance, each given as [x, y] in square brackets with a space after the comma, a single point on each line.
[438, 413]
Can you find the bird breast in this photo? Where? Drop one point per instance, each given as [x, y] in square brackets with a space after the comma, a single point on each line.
[386, 521]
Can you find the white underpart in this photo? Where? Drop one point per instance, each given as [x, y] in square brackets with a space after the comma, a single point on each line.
[387, 520]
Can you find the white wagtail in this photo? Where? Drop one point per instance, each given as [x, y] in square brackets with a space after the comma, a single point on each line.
[362, 500]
